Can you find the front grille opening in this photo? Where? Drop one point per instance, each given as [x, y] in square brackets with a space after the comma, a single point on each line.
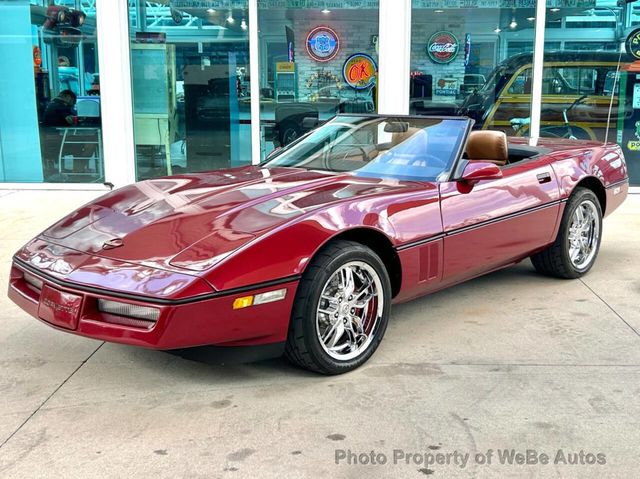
[125, 321]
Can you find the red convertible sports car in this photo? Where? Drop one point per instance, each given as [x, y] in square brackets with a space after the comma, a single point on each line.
[306, 252]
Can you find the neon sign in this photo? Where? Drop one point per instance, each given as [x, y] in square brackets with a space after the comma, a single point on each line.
[323, 44]
[442, 47]
[359, 71]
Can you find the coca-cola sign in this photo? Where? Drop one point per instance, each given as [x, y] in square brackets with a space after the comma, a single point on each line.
[442, 47]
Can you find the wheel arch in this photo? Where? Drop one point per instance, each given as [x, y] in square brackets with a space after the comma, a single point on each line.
[381, 245]
[595, 185]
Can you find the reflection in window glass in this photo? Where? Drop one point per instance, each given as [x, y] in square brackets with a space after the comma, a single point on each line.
[473, 62]
[50, 125]
[318, 59]
[190, 74]
[580, 83]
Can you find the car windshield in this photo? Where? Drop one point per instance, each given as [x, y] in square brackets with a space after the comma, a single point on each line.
[401, 148]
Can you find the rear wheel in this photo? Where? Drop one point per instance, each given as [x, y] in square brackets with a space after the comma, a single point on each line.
[576, 247]
[341, 309]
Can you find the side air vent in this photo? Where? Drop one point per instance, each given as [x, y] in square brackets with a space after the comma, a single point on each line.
[429, 261]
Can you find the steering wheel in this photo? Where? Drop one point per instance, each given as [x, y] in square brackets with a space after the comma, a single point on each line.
[328, 160]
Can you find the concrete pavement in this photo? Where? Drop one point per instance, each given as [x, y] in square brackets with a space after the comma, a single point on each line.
[511, 360]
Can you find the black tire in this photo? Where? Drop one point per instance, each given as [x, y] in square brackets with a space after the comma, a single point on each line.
[303, 346]
[290, 133]
[555, 260]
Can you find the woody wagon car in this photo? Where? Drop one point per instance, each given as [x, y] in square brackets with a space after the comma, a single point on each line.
[579, 91]
[307, 251]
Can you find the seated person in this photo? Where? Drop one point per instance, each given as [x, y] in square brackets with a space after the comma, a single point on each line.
[60, 111]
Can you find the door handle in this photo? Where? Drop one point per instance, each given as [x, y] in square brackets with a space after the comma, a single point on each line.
[544, 178]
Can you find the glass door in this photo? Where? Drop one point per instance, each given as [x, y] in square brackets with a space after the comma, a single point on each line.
[190, 82]
[317, 59]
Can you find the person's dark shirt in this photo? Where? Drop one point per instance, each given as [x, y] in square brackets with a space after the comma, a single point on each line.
[57, 112]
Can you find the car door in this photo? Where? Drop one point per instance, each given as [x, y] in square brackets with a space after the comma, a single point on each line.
[496, 222]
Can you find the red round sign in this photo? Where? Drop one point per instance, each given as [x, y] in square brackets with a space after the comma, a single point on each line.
[442, 47]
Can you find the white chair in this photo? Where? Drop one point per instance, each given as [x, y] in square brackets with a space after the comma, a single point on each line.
[88, 108]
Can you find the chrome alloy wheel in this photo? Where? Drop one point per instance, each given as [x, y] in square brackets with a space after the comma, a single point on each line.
[584, 234]
[349, 310]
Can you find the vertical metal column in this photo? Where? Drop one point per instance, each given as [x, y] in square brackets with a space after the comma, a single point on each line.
[538, 63]
[394, 62]
[112, 18]
[254, 74]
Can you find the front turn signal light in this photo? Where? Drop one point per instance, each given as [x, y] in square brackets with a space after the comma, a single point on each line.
[243, 302]
[262, 298]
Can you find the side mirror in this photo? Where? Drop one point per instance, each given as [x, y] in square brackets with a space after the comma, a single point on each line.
[477, 170]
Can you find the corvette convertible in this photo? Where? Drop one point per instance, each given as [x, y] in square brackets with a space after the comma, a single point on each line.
[305, 253]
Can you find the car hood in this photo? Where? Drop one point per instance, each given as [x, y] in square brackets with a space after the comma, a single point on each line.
[194, 221]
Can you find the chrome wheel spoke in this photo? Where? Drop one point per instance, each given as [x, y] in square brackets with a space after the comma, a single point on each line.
[334, 334]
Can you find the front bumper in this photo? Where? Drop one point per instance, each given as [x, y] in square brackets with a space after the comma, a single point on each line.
[181, 324]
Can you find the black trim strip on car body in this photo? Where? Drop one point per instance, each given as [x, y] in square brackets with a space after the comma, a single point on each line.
[420, 242]
[464, 229]
[617, 183]
[147, 299]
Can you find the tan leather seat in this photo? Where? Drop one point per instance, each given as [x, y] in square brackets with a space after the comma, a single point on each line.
[488, 145]
[397, 138]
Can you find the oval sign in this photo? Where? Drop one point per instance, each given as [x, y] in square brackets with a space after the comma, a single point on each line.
[323, 44]
[442, 47]
[359, 71]
[633, 43]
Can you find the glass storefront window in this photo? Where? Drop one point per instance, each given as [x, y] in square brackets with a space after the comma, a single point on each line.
[473, 61]
[317, 59]
[50, 123]
[587, 92]
[190, 74]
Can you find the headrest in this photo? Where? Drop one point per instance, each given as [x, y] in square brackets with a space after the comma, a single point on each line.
[488, 145]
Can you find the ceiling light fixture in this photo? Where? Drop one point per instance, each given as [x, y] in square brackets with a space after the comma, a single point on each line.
[211, 11]
[531, 19]
[513, 24]
[438, 11]
[243, 24]
[497, 30]
[554, 9]
[325, 11]
[230, 18]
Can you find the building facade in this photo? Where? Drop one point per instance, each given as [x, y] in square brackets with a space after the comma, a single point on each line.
[97, 93]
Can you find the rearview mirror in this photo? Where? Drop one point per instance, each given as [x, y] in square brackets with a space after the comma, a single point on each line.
[396, 127]
[477, 170]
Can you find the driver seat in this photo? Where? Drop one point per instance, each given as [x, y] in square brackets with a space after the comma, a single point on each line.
[488, 145]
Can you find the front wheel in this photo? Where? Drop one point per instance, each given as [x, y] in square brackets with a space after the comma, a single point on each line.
[576, 247]
[341, 309]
